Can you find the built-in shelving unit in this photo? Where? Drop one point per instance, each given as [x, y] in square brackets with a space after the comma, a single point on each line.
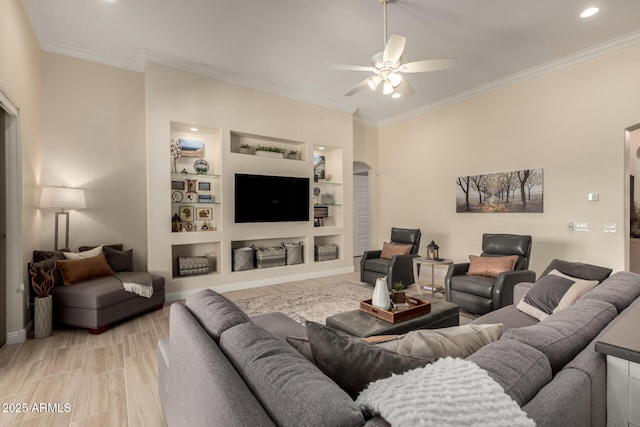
[204, 227]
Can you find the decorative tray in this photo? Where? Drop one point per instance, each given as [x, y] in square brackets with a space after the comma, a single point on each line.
[417, 307]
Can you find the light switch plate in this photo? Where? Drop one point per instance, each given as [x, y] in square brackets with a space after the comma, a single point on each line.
[594, 197]
[610, 227]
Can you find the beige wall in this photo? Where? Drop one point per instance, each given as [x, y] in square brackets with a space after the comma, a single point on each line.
[570, 122]
[94, 138]
[20, 79]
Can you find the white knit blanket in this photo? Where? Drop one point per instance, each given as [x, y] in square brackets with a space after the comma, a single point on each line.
[448, 392]
[137, 282]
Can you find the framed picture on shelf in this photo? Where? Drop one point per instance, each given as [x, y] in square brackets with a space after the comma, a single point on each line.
[204, 213]
[204, 186]
[186, 213]
[205, 198]
[191, 147]
[318, 166]
[177, 185]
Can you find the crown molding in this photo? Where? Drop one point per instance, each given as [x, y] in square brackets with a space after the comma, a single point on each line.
[583, 55]
[147, 56]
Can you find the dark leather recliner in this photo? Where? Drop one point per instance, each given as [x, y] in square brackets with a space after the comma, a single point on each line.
[397, 269]
[480, 294]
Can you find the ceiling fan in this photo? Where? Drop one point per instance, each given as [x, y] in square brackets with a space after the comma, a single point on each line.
[388, 67]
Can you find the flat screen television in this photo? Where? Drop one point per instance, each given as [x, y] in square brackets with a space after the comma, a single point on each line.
[266, 198]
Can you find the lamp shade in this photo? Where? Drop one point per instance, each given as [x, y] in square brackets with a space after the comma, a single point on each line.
[62, 198]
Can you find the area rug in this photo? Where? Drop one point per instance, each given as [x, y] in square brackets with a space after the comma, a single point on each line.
[315, 304]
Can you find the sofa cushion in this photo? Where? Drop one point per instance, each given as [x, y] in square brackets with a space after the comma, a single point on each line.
[521, 370]
[433, 344]
[552, 293]
[78, 270]
[119, 260]
[509, 316]
[490, 266]
[578, 269]
[561, 336]
[389, 250]
[215, 312]
[97, 293]
[353, 363]
[621, 290]
[289, 387]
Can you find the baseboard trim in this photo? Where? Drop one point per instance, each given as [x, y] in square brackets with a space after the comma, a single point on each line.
[180, 295]
[18, 337]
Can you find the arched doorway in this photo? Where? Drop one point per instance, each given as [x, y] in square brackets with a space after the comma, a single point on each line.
[361, 208]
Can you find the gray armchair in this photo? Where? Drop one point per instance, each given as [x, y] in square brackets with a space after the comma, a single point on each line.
[480, 294]
[397, 269]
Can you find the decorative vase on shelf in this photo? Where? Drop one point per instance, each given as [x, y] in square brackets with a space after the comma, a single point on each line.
[381, 294]
[42, 317]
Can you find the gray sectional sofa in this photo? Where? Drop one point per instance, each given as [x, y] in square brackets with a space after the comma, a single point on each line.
[220, 367]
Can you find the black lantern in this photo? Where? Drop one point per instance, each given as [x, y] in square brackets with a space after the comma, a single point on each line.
[432, 251]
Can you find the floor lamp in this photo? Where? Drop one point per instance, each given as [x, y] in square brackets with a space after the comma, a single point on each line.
[65, 199]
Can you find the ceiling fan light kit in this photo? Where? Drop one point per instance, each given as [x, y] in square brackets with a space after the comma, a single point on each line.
[388, 67]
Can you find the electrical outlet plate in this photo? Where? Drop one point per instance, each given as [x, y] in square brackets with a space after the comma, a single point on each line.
[581, 226]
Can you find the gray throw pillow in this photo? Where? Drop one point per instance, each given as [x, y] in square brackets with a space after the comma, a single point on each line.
[353, 363]
[119, 260]
[553, 293]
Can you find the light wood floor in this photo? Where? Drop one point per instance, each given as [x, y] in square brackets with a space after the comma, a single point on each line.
[105, 380]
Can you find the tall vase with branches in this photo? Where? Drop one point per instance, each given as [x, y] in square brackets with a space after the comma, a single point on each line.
[42, 281]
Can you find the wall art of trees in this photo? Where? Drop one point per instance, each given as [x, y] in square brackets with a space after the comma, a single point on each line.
[517, 191]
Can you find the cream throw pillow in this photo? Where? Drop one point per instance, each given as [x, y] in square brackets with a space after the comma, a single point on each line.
[433, 344]
[86, 254]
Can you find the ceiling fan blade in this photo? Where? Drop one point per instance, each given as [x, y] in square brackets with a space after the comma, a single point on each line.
[405, 89]
[349, 67]
[394, 48]
[363, 84]
[428, 65]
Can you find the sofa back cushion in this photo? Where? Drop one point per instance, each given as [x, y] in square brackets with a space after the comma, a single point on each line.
[204, 388]
[527, 370]
[215, 312]
[562, 336]
[578, 269]
[621, 290]
[291, 389]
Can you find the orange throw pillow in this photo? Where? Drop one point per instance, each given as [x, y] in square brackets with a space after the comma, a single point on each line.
[78, 270]
[389, 250]
[490, 266]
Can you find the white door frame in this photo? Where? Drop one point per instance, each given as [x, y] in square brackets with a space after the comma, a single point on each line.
[14, 216]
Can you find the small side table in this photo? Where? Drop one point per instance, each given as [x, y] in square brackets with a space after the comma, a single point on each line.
[432, 262]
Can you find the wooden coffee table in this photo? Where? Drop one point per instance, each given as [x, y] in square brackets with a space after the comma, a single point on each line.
[443, 314]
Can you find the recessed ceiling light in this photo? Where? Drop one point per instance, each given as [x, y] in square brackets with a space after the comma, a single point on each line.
[320, 148]
[194, 129]
[589, 12]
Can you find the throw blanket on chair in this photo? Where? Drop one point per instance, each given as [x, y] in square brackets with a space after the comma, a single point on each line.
[138, 282]
[448, 392]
